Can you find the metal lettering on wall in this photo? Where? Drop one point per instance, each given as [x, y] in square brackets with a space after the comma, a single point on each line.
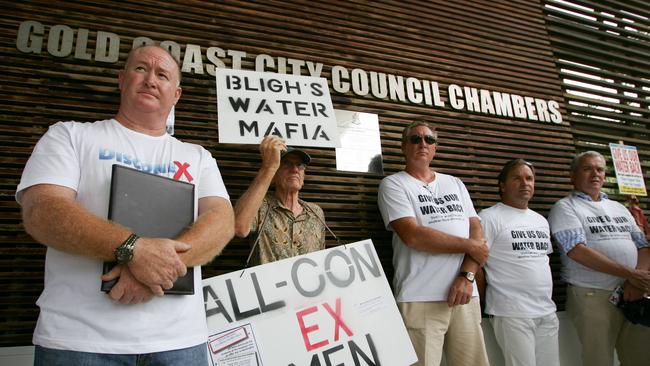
[61, 39]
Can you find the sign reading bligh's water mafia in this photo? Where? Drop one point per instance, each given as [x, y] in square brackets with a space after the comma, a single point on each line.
[252, 105]
[331, 307]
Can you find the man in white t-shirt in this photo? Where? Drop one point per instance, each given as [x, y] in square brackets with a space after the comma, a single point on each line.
[519, 279]
[438, 246]
[601, 248]
[64, 193]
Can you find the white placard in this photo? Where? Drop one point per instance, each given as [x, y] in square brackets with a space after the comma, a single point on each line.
[331, 307]
[628, 170]
[252, 105]
[360, 149]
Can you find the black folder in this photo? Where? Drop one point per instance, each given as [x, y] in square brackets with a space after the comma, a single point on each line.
[152, 206]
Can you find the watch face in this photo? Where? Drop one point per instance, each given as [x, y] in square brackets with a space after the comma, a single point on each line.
[123, 254]
[468, 275]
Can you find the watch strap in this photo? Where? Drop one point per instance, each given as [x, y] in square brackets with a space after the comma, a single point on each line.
[124, 248]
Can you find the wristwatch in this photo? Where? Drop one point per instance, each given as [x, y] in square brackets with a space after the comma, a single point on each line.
[468, 275]
[124, 253]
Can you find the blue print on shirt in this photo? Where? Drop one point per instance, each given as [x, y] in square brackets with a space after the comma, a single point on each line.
[128, 160]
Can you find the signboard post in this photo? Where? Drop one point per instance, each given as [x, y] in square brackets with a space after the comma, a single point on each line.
[331, 307]
[628, 170]
[253, 105]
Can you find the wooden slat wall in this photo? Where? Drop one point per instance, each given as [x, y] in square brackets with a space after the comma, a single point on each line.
[500, 45]
[606, 46]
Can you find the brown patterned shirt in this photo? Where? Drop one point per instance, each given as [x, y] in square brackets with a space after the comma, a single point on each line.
[284, 235]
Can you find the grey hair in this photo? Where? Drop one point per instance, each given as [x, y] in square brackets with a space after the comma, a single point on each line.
[417, 123]
[575, 164]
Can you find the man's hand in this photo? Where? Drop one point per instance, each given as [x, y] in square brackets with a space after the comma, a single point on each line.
[631, 293]
[479, 250]
[460, 292]
[640, 279]
[156, 263]
[271, 151]
[127, 290]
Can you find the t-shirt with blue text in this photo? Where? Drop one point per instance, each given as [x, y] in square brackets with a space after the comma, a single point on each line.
[74, 313]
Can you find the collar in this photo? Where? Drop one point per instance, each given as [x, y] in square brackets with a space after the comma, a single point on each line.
[586, 197]
[275, 203]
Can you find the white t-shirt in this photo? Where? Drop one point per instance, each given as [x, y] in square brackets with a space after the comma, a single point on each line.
[520, 283]
[75, 314]
[605, 226]
[443, 205]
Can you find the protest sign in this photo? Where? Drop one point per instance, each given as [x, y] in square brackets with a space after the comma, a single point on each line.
[628, 170]
[252, 105]
[331, 307]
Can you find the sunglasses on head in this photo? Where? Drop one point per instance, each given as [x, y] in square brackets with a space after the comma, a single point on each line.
[415, 139]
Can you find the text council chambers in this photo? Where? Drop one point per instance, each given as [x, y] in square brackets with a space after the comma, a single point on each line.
[64, 41]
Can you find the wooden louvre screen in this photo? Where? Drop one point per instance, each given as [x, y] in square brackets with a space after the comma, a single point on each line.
[500, 46]
[603, 55]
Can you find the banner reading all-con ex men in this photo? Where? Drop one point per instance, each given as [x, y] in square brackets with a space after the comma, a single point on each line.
[331, 307]
[252, 105]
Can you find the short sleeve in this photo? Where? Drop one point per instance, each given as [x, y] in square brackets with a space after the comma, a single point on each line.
[639, 240]
[211, 183]
[489, 227]
[637, 235]
[53, 161]
[393, 201]
[566, 226]
[318, 211]
[262, 211]
[467, 200]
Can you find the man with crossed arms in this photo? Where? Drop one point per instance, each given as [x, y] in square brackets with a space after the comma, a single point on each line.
[64, 194]
[438, 246]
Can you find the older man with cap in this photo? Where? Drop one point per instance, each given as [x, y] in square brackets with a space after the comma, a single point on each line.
[285, 225]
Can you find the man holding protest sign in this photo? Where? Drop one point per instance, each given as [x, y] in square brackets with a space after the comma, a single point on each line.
[285, 225]
[438, 246]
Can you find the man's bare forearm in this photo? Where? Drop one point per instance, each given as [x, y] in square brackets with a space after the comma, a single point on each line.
[643, 259]
[476, 233]
[427, 239]
[597, 261]
[250, 202]
[210, 233]
[53, 217]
